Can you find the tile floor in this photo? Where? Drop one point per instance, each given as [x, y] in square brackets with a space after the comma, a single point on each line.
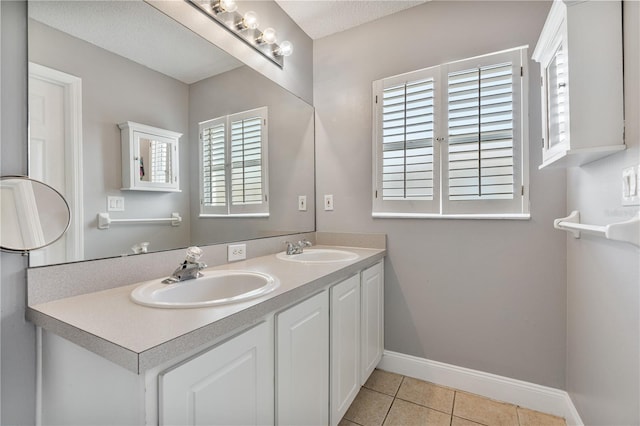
[391, 399]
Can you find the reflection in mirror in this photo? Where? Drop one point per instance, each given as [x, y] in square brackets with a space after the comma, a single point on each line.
[33, 215]
[158, 164]
[131, 62]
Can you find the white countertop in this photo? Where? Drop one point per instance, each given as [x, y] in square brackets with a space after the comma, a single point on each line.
[138, 337]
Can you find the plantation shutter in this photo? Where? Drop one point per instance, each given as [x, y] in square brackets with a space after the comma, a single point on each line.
[246, 161]
[234, 165]
[406, 168]
[482, 159]
[214, 182]
[448, 140]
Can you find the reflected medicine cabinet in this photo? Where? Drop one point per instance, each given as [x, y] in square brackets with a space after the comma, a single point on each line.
[149, 158]
[580, 56]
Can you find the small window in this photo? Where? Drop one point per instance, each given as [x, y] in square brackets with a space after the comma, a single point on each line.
[233, 159]
[449, 140]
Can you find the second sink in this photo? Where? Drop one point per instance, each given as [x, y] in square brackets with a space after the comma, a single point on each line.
[319, 256]
[212, 289]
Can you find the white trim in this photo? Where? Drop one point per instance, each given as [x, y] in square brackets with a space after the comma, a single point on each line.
[518, 392]
[512, 216]
[72, 86]
[248, 215]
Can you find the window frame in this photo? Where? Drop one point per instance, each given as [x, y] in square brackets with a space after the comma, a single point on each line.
[516, 208]
[229, 209]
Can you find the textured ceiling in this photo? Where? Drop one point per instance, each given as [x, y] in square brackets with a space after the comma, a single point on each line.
[320, 18]
[138, 32]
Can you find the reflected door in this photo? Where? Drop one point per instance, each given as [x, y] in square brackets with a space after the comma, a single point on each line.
[55, 152]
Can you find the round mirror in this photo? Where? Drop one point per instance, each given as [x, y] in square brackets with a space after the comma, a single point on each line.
[32, 214]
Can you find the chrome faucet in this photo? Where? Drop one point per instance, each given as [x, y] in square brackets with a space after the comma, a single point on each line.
[189, 269]
[297, 248]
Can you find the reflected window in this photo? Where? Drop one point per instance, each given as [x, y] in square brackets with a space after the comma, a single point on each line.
[233, 161]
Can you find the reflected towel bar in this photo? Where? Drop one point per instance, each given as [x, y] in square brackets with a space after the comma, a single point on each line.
[104, 221]
[628, 231]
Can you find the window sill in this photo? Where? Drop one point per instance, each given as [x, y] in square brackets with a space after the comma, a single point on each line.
[237, 215]
[507, 216]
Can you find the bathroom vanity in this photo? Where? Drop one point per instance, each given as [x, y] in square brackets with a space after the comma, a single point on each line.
[297, 355]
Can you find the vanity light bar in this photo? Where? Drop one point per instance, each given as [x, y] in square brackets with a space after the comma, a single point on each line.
[245, 27]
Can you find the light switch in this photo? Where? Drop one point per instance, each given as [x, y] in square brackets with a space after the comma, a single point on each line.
[631, 186]
[328, 202]
[302, 203]
[115, 204]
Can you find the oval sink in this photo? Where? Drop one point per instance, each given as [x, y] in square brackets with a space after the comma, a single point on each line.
[319, 256]
[212, 289]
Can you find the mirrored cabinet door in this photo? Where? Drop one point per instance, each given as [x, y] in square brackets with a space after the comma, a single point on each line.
[149, 158]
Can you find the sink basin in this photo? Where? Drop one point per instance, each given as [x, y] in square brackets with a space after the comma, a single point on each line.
[212, 289]
[319, 256]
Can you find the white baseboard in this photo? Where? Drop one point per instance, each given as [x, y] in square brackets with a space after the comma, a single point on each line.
[524, 394]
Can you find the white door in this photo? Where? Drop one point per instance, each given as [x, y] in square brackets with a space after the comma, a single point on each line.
[55, 152]
[231, 384]
[372, 319]
[345, 346]
[302, 363]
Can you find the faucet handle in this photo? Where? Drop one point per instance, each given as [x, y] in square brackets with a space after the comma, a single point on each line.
[304, 243]
[193, 254]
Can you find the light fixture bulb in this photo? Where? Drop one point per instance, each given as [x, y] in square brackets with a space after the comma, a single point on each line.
[250, 20]
[285, 49]
[221, 6]
[268, 36]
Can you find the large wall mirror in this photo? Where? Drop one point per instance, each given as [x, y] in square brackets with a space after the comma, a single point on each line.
[96, 64]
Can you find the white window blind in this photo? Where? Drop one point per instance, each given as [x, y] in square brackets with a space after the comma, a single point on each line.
[234, 178]
[480, 133]
[160, 162]
[246, 161]
[407, 141]
[449, 140]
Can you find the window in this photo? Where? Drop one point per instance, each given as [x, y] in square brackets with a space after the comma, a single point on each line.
[233, 161]
[450, 140]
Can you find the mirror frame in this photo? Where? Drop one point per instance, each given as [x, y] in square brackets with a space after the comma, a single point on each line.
[47, 243]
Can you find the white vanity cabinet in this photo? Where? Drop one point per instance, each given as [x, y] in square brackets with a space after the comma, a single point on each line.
[345, 346]
[230, 384]
[302, 363]
[580, 56]
[372, 319]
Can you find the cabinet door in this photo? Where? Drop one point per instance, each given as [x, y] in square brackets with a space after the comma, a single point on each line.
[302, 363]
[231, 384]
[372, 319]
[345, 346]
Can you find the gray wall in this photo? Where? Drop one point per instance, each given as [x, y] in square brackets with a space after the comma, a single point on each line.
[18, 337]
[290, 154]
[115, 90]
[603, 315]
[483, 294]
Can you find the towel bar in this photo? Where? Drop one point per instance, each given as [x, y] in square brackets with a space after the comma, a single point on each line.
[104, 221]
[627, 231]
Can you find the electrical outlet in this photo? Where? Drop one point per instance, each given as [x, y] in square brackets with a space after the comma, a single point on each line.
[302, 203]
[115, 204]
[236, 252]
[631, 186]
[328, 202]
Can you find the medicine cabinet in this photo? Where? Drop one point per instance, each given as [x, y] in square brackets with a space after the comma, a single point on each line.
[149, 158]
[580, 56]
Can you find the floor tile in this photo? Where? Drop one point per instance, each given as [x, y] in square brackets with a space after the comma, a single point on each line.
[484, 410]
[369, 408]
[459, 421]
[405, 413]
[384, 382]
[345, 422]
[427, 394]
[535, 418]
